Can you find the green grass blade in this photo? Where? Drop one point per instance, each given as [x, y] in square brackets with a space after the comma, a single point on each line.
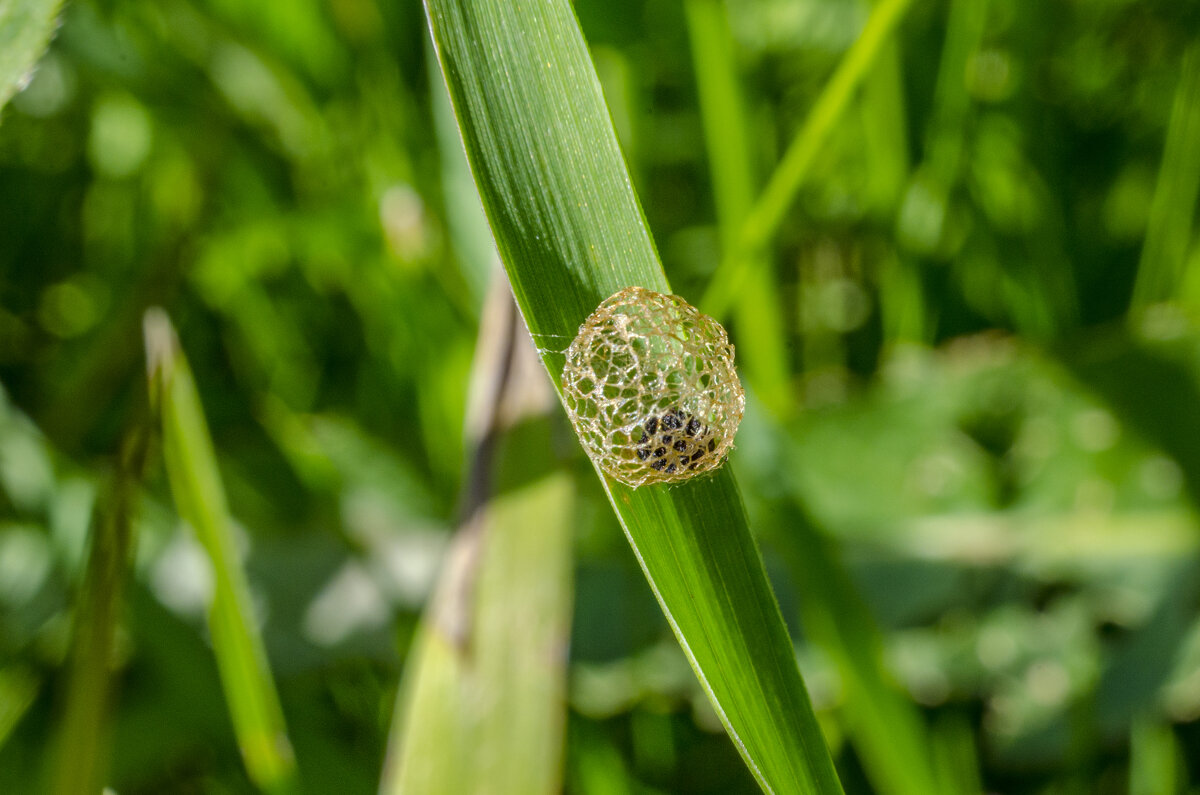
[885, 129]
[1169, 227]
[794, 168]
[570, 232]
[483, 709]
[696, 550]
[200, 499]
[26, 27]
[79, 763]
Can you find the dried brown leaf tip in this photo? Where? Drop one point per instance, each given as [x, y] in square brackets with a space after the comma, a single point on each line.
[651, 388]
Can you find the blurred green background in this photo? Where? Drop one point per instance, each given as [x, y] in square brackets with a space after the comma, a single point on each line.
[978, 374]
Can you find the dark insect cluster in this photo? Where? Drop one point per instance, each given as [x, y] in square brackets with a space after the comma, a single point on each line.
[674, 442]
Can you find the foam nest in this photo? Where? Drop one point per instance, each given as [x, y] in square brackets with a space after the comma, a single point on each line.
[650, 386]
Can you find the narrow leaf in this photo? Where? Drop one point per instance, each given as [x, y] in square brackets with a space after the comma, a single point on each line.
[200, 499]
[483, 709]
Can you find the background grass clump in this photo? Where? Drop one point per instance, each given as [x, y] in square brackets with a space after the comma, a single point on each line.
[967, 315]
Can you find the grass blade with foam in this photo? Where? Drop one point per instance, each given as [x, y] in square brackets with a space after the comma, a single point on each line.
[571, 233]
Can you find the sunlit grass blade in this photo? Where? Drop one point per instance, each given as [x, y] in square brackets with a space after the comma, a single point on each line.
[81, 754]
[1169, 227]
[802, 152]
[200, 499]
[571, 233]
[483, 707]
[26, 27]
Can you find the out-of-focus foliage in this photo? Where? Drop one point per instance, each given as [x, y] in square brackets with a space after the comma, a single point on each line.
[1005, 456]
